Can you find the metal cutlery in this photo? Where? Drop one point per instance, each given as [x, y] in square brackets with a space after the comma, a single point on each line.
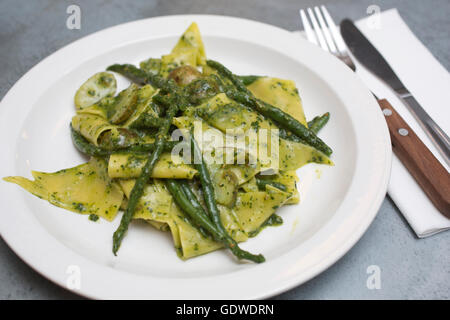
[412, 152]
[369, 56]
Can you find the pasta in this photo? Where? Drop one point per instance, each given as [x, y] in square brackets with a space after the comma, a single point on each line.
[189, 147]
[85, 189]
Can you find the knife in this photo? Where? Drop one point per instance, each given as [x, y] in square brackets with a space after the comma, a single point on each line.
[369, 56]
[429, 173]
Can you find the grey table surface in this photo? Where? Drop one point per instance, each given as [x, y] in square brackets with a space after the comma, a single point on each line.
[411, 268]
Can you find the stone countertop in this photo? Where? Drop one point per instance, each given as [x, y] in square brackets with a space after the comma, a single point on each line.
[411, 268]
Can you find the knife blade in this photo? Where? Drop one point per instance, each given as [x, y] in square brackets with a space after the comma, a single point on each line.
[369, 56]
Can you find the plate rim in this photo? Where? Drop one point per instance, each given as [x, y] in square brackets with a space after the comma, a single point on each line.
[45, 270]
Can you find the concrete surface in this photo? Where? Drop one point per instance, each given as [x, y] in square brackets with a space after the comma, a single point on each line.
[410, 268]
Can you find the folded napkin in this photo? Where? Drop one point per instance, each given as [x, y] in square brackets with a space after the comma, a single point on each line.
[429, 82]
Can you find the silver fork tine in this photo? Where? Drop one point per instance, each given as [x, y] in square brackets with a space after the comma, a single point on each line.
[308, 30]
[334, 32]
[325, 31]
[316, 27]
[333, 41]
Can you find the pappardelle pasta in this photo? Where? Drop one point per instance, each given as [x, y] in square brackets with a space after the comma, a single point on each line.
[189, 147]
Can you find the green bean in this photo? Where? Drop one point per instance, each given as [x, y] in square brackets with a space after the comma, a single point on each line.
[290, 123]
[248, 80]
[194, 201]
[211, 205]
[147, 121]
[228, 74]
[136, 75]
[138, 188]
[187, 201]
[207, 186]
[318, 122]
[244, 96]
[261, 183]
[188, 194]
[142, 77]
[284, 134]
[135, 195]
[282, 119]
[196, 213]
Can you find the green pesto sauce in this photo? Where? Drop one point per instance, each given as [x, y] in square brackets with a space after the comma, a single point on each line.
[272, 221]
[93, 217]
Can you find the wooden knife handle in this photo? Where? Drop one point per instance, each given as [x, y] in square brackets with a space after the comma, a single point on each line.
[429, 173]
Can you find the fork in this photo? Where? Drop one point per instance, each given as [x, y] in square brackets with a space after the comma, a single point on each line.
[412, 152]
[327, 37]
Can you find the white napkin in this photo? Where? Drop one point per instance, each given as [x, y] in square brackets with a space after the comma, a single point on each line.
[429, 82]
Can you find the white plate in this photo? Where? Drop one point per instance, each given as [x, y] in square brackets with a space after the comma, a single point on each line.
[334, 212]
